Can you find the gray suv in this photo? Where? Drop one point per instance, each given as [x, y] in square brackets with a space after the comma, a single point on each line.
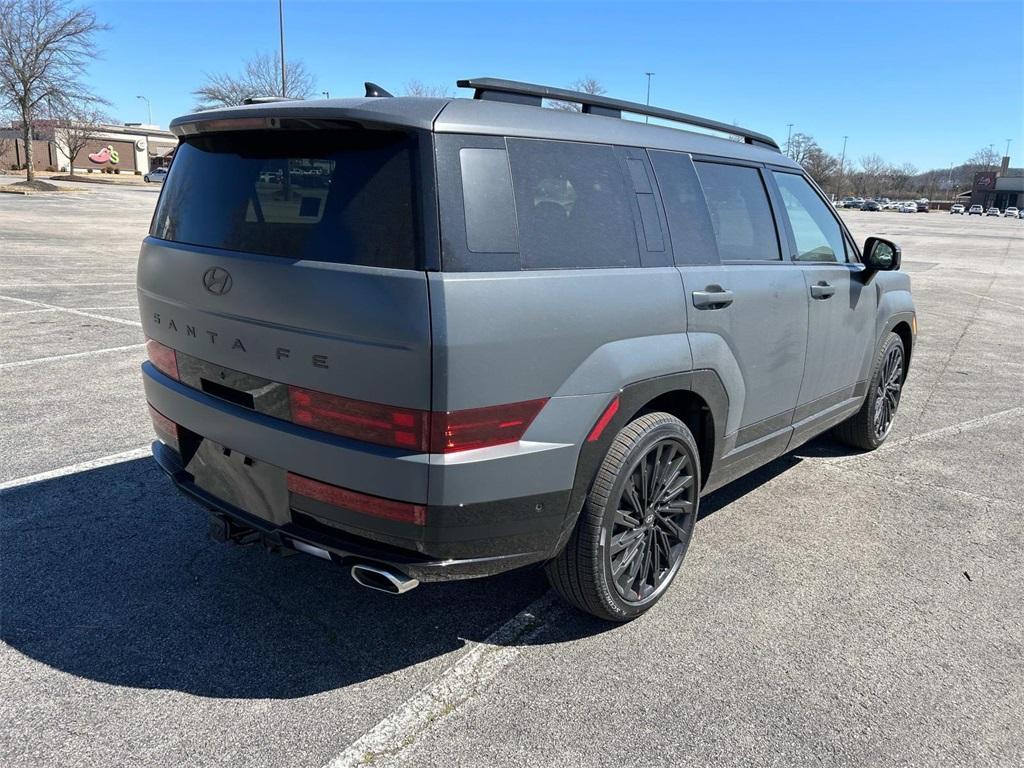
[433, 339]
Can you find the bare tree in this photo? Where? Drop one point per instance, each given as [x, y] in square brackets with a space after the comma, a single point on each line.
[872, 174]
[418, 88]
[260, 77]
[899, 177]
[584, 85]
[75, 125]
[45, 46]
[821, 166]
[984, 159]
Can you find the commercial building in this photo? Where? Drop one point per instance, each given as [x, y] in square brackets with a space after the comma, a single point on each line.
[128, 148]
[999, 189]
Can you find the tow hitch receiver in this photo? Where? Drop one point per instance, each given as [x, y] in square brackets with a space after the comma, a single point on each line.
[228, 531]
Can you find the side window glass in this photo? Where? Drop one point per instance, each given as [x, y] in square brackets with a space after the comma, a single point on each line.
[573, 206]
[741, 215]
[816, 231]
[487, 194]
[689, 225]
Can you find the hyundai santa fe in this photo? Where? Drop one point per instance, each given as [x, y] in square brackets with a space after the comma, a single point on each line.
[441, 338]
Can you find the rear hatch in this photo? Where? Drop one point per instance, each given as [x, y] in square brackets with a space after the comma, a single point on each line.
[290, 255]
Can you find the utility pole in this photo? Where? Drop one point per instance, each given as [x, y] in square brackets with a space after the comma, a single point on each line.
[842, 165]
[1007, 147]
[647, 118]
[789, 139]
[149, 108]
[280, 24]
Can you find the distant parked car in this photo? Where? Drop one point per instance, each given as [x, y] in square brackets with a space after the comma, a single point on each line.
[976, 209]
[1011, 212]
[957, 208]
[908, 208]
[157, 176]
[993, 211]
[922, 205]
[871, 205]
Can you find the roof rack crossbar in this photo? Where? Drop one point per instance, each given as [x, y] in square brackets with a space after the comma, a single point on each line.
[511, 90]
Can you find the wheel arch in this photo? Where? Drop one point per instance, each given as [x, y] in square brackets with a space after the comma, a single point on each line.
[697, 398]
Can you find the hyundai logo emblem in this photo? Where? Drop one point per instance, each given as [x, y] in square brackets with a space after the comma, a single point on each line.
[217, 281]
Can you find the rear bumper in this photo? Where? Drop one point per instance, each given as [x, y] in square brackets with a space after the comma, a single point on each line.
[304, 534]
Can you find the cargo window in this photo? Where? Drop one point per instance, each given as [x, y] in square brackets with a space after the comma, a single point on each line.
[741, 215]
[341, 195]
[689, 225]
[815, 230]
[573, 206]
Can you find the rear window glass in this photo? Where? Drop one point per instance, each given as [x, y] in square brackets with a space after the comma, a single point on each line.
[740, 212]
[339, 196]
[573, 206]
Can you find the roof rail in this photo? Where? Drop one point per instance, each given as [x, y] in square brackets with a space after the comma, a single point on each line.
[495, 89]
[267, 99]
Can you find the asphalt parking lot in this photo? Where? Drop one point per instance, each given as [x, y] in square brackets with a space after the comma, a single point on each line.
[835, 608]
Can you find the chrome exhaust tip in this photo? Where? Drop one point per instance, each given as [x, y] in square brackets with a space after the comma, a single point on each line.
[383, 580]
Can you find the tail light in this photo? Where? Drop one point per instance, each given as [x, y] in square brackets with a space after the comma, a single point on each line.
[360, 420]
[374, 506]
[411, 429]
[163, 357]
[481, 427]
[165, 429]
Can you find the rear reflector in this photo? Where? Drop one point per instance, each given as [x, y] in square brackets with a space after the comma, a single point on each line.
[163, 357]
[360, 420]
[606, 417]
[165, 429]
[481, 427]
[374, 506]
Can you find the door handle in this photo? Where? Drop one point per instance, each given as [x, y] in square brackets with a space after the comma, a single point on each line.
[712, 297]
[822, 290]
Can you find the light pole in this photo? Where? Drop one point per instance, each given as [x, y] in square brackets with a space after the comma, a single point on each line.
[647, 118]
[325, 94]
[280, 24]
[842, 164]
[789, 138]
[1007, 147]
[149, 108]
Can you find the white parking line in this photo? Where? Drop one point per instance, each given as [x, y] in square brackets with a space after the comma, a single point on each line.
[59, 285]
[994, 301]
[455, 685]
[59, 309]
[44, 305]
[69, 356]
[84, 466]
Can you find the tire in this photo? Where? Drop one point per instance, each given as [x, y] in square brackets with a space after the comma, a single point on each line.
[593, 572]
[870, 426]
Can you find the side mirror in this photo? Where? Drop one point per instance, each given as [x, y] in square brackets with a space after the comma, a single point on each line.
[881, 255]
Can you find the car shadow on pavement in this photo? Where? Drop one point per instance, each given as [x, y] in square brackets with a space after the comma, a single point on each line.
[108, 575]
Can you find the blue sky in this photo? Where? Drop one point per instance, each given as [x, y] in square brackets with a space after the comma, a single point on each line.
[921, 82]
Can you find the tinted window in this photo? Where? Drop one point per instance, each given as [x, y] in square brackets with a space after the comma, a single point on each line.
[342, 196]
[487, 194]
[816, 231]
[740, 213]
[693, 239]
[573, 206]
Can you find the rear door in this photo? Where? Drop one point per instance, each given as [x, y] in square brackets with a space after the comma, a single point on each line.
[294, 257]
[841, 306]
[746, 312]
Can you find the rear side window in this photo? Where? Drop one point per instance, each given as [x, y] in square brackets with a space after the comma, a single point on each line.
[740, 212]
[815, 230]
[345, 196]
[693, 239]
[573, 206]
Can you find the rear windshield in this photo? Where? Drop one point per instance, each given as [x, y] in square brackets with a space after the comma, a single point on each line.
[344, 196]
